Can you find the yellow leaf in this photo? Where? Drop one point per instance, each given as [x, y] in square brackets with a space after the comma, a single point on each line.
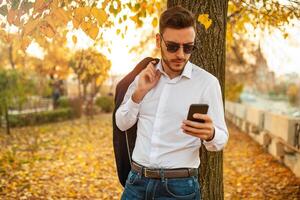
[105, 3]
[80, 13]
[205, 20]
[154, 22]
[134, 18]
[62, 15]
[25, 42]
[285, 35]
[49, 19]
[11, 16]
[76, 23]
[93, 32]
[74, 38]
[144, 5]
[158, 5]
[54, 4]
[100, 15]
[47, 30]
[30, 26]
[38, 5]
[150, 9]
[118, 31]
[86, 25]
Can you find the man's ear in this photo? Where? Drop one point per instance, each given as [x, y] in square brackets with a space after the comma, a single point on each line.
[158, 40]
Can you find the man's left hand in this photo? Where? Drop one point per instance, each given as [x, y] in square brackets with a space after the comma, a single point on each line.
[204, 131]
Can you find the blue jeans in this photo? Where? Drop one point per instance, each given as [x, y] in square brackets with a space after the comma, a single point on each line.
[141, 188]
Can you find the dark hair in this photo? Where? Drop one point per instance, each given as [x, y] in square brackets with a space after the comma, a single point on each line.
[176, 17]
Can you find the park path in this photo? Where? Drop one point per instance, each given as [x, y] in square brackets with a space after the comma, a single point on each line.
[251, 173]
[75, 160]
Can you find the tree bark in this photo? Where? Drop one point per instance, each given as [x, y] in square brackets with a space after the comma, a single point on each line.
[211, 57]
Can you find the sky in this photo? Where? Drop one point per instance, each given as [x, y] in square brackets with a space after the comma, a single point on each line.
[283, 54]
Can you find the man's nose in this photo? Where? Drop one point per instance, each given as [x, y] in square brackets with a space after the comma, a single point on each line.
[180, 52]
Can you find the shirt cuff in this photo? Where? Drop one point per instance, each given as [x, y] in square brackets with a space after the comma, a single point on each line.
[132, 105]
[213, 140]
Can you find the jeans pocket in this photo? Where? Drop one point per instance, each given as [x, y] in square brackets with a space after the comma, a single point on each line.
[181, 188]
[132, 177]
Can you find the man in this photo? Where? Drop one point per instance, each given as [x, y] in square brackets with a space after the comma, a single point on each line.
[166, 154]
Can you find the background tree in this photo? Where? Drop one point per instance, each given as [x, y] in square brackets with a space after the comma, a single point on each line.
[12, 54]
[15, 87]
[91, 69]
[210, 56]
[293, 92]
[249, 18]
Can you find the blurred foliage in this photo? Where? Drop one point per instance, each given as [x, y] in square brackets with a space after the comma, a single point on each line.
[106, 103]
[15, 87]
[90, 66]
[37, 118]
[233, 91]
[248, 15]
[91, 69]
[293, 93]
[247, 18]
[64, 102]
[41, 19]
[280, 88]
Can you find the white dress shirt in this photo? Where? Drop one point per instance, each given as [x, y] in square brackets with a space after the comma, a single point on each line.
[160, 142]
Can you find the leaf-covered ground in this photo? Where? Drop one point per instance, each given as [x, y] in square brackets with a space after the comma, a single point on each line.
[68, 160]
[250, 173]
[75, 160]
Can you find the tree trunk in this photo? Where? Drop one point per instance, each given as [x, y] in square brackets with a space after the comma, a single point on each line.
[11, 59]
[211, 57]
[79, 88]
[6, 118]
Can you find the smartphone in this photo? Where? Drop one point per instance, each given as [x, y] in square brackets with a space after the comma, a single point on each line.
[197, 108]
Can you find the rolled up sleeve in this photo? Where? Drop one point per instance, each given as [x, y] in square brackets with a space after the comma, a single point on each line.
[216, 112]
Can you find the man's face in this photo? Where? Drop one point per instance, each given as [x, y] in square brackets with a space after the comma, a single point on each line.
[174, 62]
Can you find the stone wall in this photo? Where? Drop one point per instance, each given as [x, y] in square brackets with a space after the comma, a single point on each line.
[278, 134]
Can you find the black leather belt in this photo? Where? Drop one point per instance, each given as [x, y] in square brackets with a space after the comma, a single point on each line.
[166, 173]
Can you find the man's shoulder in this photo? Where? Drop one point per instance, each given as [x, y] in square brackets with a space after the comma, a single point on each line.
[199, 73]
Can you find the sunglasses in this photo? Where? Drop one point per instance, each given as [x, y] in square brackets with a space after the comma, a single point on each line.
[172, 47]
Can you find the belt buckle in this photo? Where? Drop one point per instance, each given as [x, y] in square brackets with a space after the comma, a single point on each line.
[145, 172]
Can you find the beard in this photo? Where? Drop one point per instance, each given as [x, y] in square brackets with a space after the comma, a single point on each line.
[174, 65]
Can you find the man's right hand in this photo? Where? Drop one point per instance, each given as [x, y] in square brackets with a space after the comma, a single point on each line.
[149, 77]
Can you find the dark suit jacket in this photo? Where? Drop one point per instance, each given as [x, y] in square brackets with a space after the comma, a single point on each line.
[119, 137]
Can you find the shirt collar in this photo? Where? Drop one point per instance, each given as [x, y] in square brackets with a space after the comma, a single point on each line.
[187, 71]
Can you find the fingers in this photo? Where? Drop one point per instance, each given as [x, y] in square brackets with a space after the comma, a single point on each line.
[151, 68]
[199, 125]
[204, 117]
[151, 75]
[157, 74]
[194, 130]
[200, 133]
[151, 72]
